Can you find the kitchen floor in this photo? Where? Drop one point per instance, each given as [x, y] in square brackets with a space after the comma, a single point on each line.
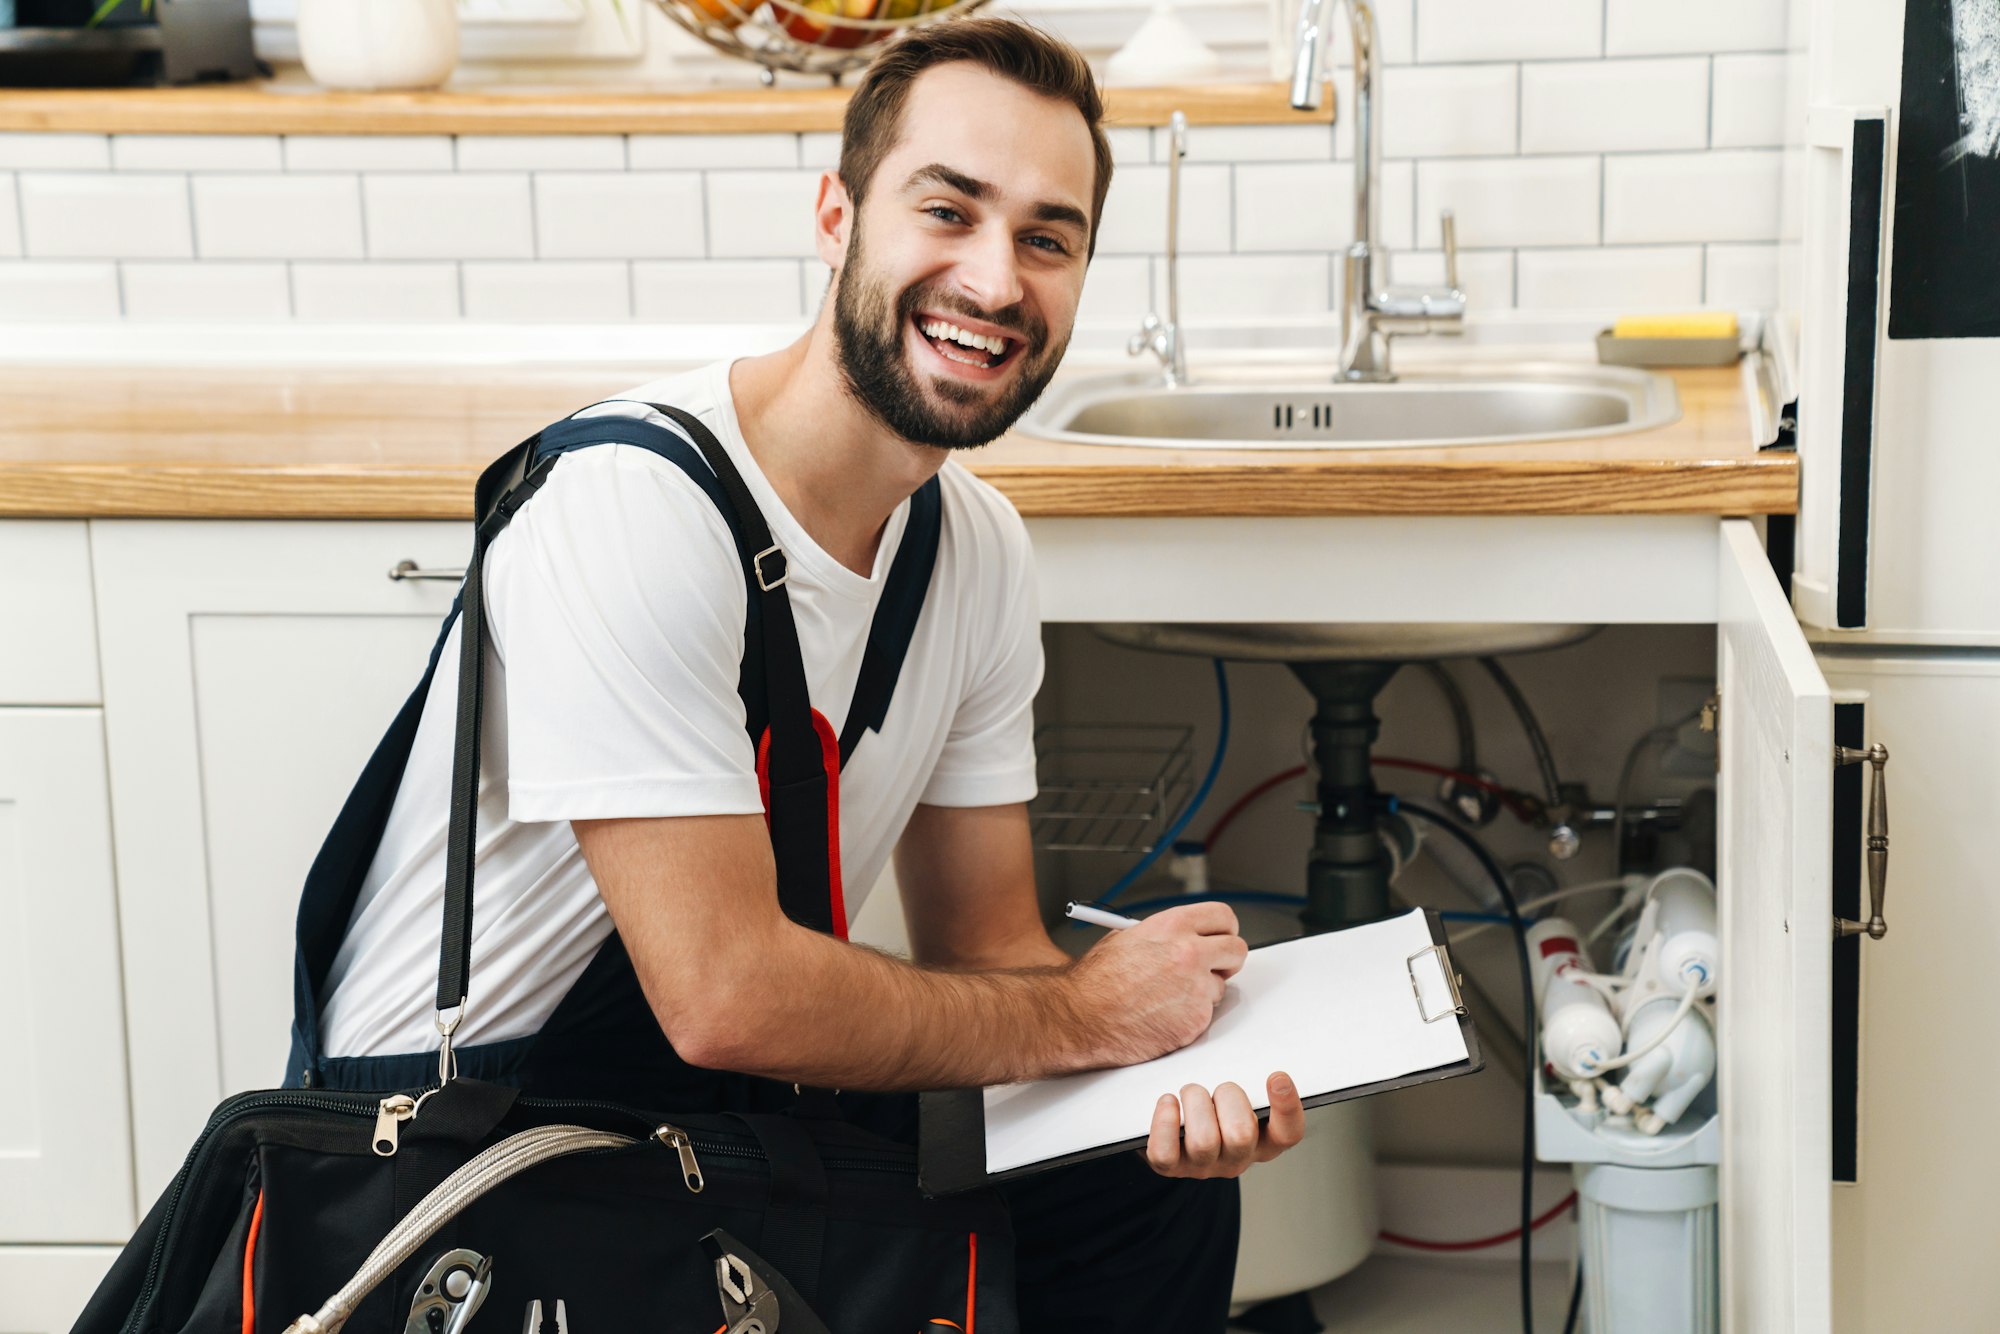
[1392, 1294]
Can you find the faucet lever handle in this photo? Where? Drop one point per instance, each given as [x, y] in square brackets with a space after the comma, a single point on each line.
[1449, 225]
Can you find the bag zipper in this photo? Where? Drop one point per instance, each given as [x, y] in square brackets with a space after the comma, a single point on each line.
[390, 1113]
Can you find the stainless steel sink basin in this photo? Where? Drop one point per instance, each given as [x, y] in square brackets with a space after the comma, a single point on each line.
[1266, 407]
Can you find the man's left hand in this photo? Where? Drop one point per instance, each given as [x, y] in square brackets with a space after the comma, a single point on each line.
[1199, 1135]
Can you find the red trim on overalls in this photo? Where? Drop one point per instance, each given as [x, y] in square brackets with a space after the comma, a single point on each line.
[250, 1268]
[829, 755]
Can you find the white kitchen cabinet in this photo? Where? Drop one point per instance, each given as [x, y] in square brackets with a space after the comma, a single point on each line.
[1915, 1232]
[249, 669]
[65, 1133]
[42, 1288]
[48, 634]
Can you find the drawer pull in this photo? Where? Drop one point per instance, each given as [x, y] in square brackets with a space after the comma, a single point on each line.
[409, 569]
[1876, 756]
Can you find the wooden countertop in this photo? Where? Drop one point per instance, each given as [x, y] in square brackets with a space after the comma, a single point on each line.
[262, 107]
[369, 442]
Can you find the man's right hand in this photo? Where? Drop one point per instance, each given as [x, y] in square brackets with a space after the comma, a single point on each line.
[1153, 988]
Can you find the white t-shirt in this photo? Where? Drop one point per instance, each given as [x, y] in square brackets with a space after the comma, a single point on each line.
[615, 600]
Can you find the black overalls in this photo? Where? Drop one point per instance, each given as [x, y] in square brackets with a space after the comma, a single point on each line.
[1105, 1245]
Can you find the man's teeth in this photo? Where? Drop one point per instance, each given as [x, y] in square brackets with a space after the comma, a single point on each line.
[984, 342]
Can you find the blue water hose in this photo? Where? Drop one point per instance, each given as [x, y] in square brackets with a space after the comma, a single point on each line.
[1166, 840]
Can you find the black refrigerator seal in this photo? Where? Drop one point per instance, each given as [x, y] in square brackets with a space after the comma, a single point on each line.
[1944, 278]
[1844, 1089]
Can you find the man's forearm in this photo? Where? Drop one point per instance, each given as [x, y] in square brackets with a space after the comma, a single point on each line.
[894, 1025]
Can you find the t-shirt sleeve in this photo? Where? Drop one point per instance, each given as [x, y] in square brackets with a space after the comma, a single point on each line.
[617, 608]
[989, 755]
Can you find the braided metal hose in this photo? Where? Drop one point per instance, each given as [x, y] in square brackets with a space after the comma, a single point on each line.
[510, 1157]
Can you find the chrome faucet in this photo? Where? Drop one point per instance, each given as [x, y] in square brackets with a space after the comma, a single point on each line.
[1371, 312]
[1163, 340]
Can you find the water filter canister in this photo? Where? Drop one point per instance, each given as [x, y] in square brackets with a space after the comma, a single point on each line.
[1689, 954]
[1674, 1073]
[1579, 1032]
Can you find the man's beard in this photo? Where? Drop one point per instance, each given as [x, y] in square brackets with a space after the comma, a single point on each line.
[868, 342]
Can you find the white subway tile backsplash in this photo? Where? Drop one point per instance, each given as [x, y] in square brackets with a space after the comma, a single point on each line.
[1252, 143]
[1749, 101]
[819, 149]
[1510, 201]
[1395, 34]
[33, 150]
[276, 216]
[541, 152]
[1482, 30]
[1648, 27]
[10, 216]
[1117, 289]
[1295, 206]
[579, 292]
[1129, 144]
[1742, 277]
[368, 152]
[1719, 196]
[196, 152]
[1448, 110]
[720, 291]
[428, 216]
[1237, 286]
[1135, 212]
[1596, 106]
[619, 215]
[693, 152]
[37, 291]
[761, 214]
[102, 215]
[377, 290]
[1610, 279]
[187, 290]
[1485, 276]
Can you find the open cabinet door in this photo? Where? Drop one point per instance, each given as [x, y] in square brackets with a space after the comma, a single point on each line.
[1776, 788]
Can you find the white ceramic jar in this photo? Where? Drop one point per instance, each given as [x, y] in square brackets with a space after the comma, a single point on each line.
[378, 43]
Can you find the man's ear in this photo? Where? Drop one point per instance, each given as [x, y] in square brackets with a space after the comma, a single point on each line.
[833, 220]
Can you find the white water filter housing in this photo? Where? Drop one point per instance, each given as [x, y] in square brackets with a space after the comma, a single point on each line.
[1689, 954]
[1579, 1032]
[1674, 1073]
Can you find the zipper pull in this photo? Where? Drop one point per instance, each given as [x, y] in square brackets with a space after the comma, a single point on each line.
[395, 1108]
[677, 1139]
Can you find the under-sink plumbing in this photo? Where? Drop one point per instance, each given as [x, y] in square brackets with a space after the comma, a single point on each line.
[1372, 312]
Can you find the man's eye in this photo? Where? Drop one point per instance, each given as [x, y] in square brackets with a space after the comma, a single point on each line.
[1048, 243]
[944, 212]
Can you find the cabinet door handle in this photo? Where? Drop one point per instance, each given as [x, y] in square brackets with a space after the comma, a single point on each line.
[1877, 757]
[409, 569]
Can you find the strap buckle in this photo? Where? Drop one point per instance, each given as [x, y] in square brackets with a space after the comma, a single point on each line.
[784, 568]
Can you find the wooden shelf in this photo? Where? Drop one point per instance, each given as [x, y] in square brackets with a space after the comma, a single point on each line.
[262, 107]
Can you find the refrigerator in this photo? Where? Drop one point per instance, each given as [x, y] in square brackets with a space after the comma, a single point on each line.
[1889, 323]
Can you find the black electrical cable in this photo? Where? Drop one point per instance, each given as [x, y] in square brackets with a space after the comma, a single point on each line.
[1440, 821]
[1575, 1300]
[1537, 739]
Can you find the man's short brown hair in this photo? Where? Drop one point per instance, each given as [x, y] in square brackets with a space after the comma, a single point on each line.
[1014, 50]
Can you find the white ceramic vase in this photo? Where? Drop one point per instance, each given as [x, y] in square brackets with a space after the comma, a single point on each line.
[378, 43]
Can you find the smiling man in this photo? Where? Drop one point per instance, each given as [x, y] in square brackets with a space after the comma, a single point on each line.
[629, 941]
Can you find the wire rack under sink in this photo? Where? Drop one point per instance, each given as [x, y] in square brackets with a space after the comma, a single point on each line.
[1108, 787]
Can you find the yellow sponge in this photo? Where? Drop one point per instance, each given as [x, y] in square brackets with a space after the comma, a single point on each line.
[1699, 324]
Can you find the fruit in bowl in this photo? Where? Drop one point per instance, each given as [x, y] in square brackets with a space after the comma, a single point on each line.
[728, 13]
[803, 27]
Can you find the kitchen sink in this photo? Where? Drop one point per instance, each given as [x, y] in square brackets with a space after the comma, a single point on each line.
[1285, 407]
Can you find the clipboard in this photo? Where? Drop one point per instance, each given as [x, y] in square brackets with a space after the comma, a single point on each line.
[951, 1152]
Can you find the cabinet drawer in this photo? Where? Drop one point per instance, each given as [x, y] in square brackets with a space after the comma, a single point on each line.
[48, 630]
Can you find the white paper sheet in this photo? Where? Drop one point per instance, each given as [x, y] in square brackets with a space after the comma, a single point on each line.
[1332, 1011]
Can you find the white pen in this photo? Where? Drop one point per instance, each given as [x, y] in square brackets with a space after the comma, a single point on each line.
[1083, 912]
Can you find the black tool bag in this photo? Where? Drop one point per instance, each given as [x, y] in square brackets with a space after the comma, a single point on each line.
[429, 1209]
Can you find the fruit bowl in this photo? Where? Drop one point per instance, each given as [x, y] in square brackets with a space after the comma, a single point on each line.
[828, 37]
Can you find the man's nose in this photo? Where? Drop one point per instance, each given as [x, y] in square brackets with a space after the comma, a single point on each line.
[991, 272]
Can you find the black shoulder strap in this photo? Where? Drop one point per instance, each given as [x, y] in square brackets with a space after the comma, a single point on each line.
[773, 675]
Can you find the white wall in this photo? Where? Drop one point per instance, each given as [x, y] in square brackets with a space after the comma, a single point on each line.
[1598, 153]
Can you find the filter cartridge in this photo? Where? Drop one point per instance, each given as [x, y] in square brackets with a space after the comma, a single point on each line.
[1579, 1032]
[1689, 954]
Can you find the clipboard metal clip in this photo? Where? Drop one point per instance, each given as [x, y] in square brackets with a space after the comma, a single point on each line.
[1450, 980]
